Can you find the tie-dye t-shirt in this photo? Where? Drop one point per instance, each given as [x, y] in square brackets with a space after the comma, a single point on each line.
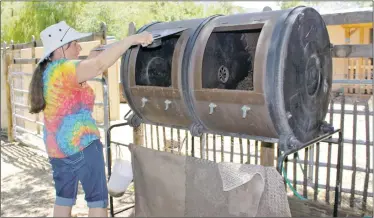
[68, 123]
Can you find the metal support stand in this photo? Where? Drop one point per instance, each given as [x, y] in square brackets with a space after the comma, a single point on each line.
[280, 161]
[338, 187]
[109, 156]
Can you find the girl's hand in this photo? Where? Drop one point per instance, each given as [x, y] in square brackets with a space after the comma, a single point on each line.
[143, 38]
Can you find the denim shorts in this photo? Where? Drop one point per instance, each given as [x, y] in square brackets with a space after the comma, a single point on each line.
[86, 166]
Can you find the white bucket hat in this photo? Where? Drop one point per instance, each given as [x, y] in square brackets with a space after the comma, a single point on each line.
[57, 35]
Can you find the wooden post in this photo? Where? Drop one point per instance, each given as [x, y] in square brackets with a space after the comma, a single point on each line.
[106, 95]
[7, 88]
[267, 154]
[347, 33]
[138, 135]
[37, 116]
[359, 68]
[103, 41]
[138, 132]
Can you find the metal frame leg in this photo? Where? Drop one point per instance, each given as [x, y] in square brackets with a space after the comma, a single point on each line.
[280, 161]
[283, 156]
[109, 156]
[338, 187]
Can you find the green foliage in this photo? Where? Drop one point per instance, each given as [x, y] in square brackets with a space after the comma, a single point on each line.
[32, 17]
[8, 12]
[289, 4]
[21, 20]
[224, 8]
[91, 14]
[117, 15]
[365, 4]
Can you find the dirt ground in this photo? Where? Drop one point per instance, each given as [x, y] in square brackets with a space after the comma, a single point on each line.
[27, 187]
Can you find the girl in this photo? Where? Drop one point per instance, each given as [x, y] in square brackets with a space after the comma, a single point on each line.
[59, 89]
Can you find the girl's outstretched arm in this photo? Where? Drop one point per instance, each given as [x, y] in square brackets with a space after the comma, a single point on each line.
[92, 67]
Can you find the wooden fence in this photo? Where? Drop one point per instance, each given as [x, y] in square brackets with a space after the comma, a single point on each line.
[353, 75]
[19, 61]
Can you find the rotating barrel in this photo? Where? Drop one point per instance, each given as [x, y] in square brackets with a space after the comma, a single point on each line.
[150, 76]
[265, 74]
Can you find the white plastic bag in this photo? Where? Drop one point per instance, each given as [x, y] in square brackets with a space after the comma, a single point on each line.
[121, 177]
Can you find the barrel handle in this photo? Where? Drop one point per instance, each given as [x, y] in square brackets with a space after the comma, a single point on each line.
[144, 100]
[211, 107]
[167, 102]
[245, 108]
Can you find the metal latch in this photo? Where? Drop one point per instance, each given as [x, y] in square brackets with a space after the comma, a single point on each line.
[144, 100]
[167, 102]
[211, 107]
[245, 108]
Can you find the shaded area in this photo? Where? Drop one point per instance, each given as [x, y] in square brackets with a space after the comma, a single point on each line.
[28, 190]
[27, 187]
